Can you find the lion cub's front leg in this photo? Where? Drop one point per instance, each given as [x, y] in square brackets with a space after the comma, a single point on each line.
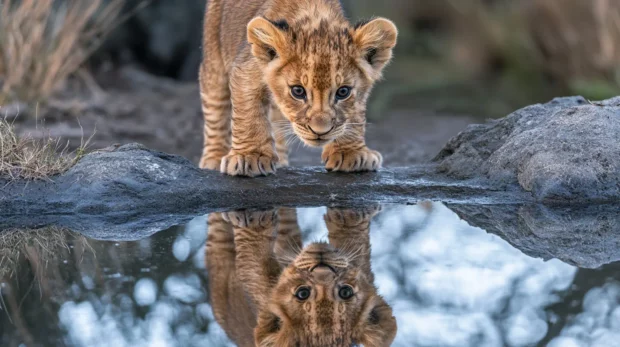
[350, 154]
[256, 266]
[253, 149]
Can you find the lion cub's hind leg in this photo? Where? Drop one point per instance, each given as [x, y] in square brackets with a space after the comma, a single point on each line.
[216, 109]
[220, 264]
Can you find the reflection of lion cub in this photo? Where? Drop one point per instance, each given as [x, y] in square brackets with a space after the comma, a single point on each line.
[323, 295]
[297, 66]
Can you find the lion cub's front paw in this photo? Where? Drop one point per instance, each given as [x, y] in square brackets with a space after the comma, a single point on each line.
[250, 219]
[351, 217]
[209, 163]
[352, 160]
[251, 164]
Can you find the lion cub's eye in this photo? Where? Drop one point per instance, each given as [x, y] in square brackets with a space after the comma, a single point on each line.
[298, 92]
[343, 93]
[346, 292]
[302, 293]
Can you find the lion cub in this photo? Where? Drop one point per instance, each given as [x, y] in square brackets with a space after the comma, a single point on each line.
[288, 68]
[268, 290]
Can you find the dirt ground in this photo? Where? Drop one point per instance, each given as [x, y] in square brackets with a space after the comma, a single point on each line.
[129, 105]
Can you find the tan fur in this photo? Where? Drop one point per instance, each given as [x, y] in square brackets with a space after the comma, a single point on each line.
[253, 280]
[255, 51]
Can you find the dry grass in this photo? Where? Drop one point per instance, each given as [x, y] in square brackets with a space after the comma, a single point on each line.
[578, 42]
[34, 266]
[577, 38]
[34, 276]
[42, 42]
[28, 158]
[41, 245]
[572, 42]
[567, 46]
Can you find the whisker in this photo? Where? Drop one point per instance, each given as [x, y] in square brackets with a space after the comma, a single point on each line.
[354, 254]
[294, 246]
[283, 133]
[282, 127]
[290, 140]
[281, 136]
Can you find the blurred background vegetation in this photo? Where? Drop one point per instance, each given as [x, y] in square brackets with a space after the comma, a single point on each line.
[492, 56]
[482, 57]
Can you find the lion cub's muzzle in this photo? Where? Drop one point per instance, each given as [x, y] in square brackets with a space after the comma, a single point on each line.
[318, 136]
[323, 273]
[320, 126]
[321, 257]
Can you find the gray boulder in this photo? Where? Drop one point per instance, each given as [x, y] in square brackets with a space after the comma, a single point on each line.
[566, 150]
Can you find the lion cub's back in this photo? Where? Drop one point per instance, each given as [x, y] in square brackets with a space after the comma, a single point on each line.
[225, 26]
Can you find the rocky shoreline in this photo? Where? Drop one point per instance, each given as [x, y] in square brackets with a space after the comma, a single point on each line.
[132, 185]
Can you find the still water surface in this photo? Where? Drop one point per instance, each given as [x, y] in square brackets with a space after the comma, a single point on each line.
[447, 284]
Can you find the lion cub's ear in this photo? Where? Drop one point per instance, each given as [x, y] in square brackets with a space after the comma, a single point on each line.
[376, 39]
[268, 38]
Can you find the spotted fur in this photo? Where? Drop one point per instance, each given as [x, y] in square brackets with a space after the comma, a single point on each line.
[255, 51]
[254, 274]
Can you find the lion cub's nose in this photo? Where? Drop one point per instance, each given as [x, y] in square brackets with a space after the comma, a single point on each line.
[323, 273]
[320, 125]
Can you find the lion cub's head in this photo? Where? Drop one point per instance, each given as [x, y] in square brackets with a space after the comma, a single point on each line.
[324, 298]
[320, 70]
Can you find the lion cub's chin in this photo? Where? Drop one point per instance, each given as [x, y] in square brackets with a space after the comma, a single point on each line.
[316, 142]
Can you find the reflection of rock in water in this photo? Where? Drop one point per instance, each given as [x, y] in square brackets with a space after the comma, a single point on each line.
[583, 236]
[266, 290]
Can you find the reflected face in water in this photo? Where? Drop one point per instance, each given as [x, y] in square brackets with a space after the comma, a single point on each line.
[321, 295]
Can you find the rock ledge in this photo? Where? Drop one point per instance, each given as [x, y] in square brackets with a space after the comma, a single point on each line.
[566, 150]
[132, 185]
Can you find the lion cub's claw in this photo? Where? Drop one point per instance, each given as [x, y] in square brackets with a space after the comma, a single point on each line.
[352, 160]
[251, 165]
[250, 219]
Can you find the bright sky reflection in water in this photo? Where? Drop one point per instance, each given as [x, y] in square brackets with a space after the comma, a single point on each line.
[449, 284]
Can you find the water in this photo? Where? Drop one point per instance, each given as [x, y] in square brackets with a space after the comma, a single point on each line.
[447, 283]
